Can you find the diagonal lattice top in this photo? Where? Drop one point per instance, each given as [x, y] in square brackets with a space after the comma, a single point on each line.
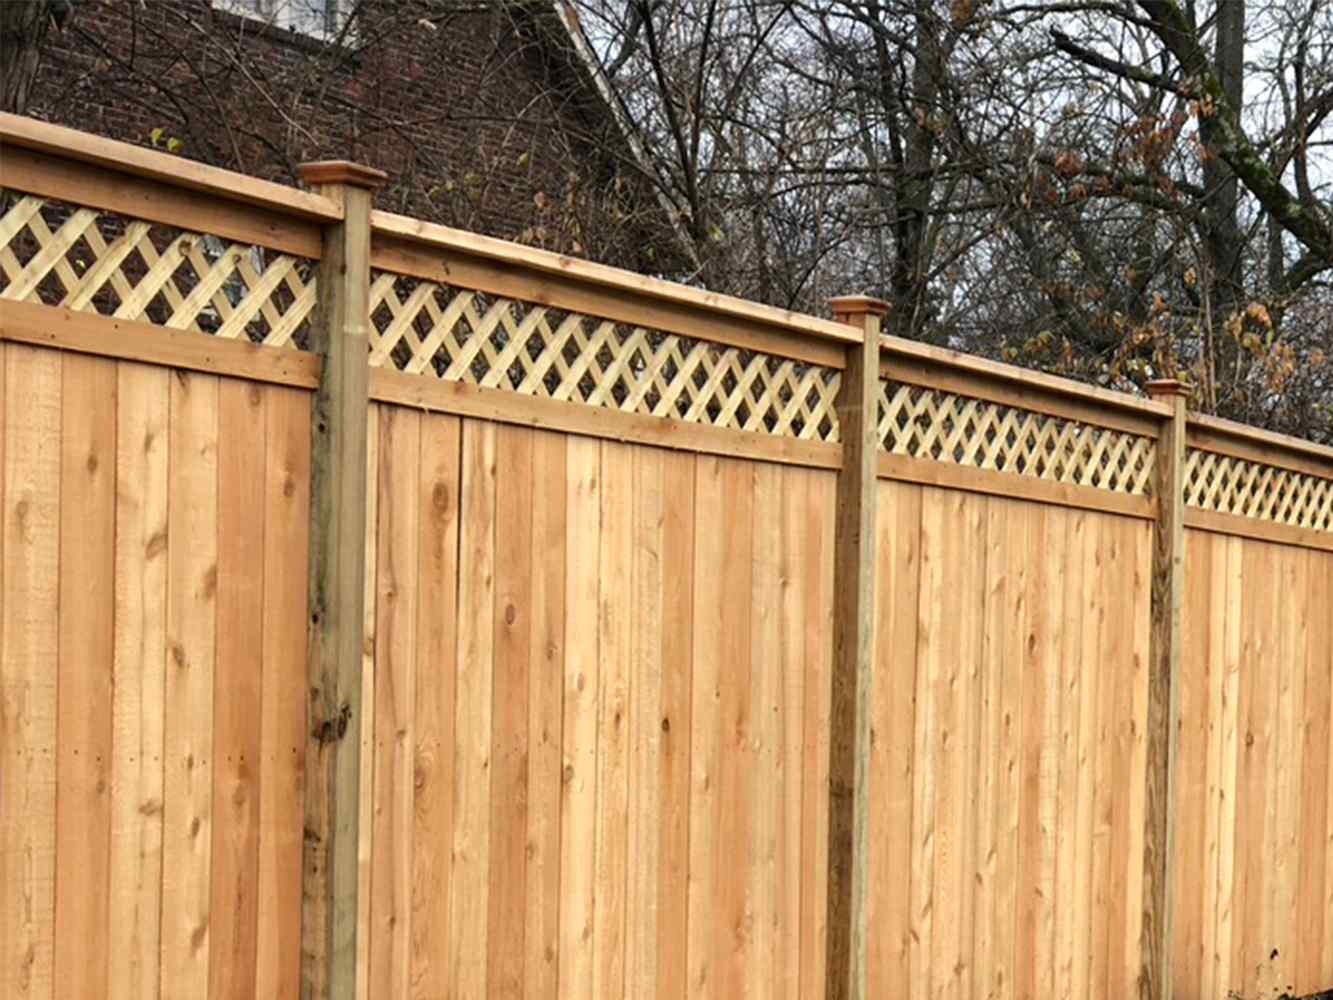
[927, 423]
[1251, 489]
[424, 328]
[62, 255]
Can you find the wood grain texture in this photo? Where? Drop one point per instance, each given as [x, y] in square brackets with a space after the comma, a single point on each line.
[138, 678]
[578, 795]
[507, 913]
[436, 671]
[546, 659]
[286, 513]
[238, 689]
[469, 884]
[83, 745]
[853, 652]
[192, 559]
[29, 638]
[395, 684]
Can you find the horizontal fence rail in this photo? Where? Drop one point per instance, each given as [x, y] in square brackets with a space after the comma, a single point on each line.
[606, 650]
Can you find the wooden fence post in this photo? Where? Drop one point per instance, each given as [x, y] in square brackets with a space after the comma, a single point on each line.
[337, 585]
[1163, 722]
[853, 651]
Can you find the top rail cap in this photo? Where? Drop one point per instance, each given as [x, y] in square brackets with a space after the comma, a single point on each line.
[342, 172]
[846, 306]
[176, 171]
[1165, 388]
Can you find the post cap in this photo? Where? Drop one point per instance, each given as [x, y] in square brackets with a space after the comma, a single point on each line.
[1164, 388]
[342, 172]
[846, 306]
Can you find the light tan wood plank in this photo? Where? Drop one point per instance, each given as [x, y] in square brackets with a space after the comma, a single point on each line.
[736, 785]
[507, 407]
[238, 689]
[1069, 921]
[509, 711]
[546, 661]
[765, 687]
[283, 699]
[1003, 484]
[678, 533]
[578, 804]
[433, 716]
[1252, 527]
[1140, 945]
[814, 806]
[470, 879]
[365, 847]
[83, 745]
[644, 724]
[103, 336]
[1199, 716]
[706, 743]
[889, 910]
[1311, 914]
[396, 570]
[793, 619]
[28, 647]
[1232, 696]
[433, 251]
[929, 657]
[138, 678]
[614, 627]
[1032, 833]
[163, 168]
[192, 555]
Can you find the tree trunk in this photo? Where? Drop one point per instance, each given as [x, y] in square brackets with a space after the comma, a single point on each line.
[23, 25]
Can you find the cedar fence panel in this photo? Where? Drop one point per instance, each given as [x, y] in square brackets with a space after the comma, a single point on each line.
[603, 677]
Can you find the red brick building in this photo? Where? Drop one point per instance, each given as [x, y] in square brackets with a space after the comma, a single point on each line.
[485, 115]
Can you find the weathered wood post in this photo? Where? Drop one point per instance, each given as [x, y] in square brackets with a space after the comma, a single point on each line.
[853, 650]
[337, 585]
[1163, 722]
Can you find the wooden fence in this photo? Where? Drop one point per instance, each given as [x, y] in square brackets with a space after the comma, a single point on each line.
[694, 648]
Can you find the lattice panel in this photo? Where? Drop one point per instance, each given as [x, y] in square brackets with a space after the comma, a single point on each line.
[464, 336]
[926, 423]
[63, 255]
[1236, 486]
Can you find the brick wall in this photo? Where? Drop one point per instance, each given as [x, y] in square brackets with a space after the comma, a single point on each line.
[478, 114]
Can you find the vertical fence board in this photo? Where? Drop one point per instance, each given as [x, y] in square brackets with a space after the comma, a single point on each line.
[1313, 962]
[192, 548]
[470, 879]
[1311, 862]
[677, 664]
[765, 681]
[390, 926]
[546, 662]
[883, 960]
[366, 764]
[509, 711]
[818, 584]
[83, 716]
[614, 627]
[237, 689]
[28, 648]
[643, 726]
[792, 620]
[436, 587]
[578, 806]
[137, 681]
[736, 782]
[1069, 920]
[286, 516]
[706, 724]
